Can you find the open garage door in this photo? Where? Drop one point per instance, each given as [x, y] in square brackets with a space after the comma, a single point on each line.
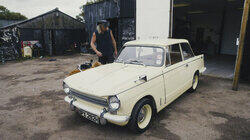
[212, 27]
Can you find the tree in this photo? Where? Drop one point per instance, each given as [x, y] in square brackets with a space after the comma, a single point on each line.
[8, 15]
[80, 17]
[3, 9]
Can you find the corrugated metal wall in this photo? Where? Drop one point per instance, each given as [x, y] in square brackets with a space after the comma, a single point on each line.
[103, 10]
[31, 34]
[54, 20]
[56, 40]
[56, 31]
[7, 22]
[128, 8]
[65, 40]
[126, 28]
[122, 11]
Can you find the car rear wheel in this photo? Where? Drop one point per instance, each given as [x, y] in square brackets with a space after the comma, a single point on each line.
[141, 116]
[195, 83]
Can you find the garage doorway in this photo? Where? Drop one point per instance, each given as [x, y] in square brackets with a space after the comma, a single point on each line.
[212, 28]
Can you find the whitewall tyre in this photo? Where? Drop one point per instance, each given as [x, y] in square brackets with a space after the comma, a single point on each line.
[195, 82]
[141, 116]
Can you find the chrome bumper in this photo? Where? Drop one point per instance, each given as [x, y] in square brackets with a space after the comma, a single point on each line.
[106, 115]
[202, 70]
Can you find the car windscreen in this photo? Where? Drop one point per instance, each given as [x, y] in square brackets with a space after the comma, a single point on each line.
[142, 55]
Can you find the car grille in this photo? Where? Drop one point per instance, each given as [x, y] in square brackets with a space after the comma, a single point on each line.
[89, 98]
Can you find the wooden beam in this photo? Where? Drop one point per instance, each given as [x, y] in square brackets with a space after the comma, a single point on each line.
[241, 45]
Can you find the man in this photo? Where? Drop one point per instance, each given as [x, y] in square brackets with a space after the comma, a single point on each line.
[105, 41]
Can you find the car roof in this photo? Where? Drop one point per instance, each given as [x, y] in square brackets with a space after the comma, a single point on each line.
[157, 42]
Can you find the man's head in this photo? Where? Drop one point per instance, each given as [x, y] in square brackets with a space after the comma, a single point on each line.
[102, 25]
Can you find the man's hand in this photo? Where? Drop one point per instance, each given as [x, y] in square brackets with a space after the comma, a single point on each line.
[116, 53]
[99, 54]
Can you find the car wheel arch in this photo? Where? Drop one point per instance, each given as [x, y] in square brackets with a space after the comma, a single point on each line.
[197, 72]
[150, 97]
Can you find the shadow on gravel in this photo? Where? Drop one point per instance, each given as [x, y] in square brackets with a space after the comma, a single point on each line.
[40, 136]
[233, 128]
[32, 102]
[72, 122]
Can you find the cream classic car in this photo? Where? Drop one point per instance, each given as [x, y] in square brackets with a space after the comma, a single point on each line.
[145, 78]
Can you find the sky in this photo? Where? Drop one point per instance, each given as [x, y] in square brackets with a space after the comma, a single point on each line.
[32, 8]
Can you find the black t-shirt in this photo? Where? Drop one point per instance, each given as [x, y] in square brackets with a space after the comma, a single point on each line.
[104, 43]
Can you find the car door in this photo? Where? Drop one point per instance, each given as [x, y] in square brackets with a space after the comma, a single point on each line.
[190, 64]
[173, 73]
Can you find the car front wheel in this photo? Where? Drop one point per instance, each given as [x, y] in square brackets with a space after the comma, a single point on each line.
[141, 116]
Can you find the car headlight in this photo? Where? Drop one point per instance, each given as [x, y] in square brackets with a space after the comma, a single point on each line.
[66, 88]
[114, 103]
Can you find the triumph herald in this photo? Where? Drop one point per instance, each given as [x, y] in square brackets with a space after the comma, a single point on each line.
[146, 77]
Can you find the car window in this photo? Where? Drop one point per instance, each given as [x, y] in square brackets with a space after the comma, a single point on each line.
[186, 51]
[146, 55]
[175, 54]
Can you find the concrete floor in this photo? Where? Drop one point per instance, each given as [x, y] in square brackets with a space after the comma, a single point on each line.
[220, 66]
[32, 107]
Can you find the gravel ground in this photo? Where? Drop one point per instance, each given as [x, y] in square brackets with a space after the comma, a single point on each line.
[32, 107]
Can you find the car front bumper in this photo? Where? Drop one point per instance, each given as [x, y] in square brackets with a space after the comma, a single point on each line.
[117, 119]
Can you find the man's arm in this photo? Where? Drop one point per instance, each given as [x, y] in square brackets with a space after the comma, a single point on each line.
[92, 44]
[114, 42]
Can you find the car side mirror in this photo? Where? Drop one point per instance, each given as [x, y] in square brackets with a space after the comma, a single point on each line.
[143, 78]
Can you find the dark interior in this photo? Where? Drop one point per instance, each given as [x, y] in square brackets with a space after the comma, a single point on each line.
[212, 28]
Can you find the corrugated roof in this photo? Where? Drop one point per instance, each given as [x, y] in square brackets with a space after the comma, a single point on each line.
[49, 12]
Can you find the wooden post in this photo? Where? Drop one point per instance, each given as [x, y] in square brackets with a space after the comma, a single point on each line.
[241, 45]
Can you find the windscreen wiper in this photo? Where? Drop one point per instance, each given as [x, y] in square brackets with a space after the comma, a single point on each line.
[137, 62]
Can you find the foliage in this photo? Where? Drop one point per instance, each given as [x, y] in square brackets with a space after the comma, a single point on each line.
[80, 17]
[93, 1]
[8, 15]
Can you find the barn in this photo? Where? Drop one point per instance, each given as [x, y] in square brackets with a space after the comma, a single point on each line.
[4, 22]
[56, 31]
[212, 27]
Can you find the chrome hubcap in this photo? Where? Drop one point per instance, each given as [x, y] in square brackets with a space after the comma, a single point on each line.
[141, 116]
[144, 116]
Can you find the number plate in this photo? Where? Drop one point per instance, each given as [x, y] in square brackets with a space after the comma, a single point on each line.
[90, 116]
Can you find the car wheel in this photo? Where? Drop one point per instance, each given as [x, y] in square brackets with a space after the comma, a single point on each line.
[195, 83]
[141, 116]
